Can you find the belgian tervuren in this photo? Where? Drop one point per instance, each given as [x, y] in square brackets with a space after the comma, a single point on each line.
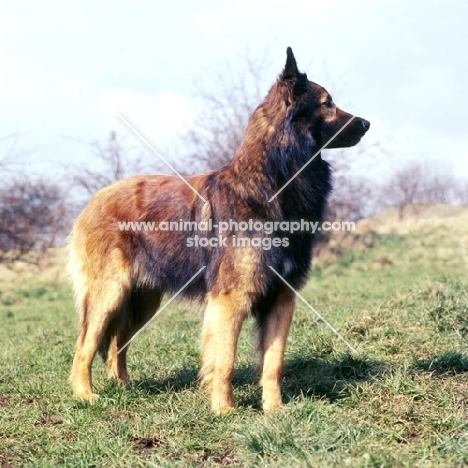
[121, 274]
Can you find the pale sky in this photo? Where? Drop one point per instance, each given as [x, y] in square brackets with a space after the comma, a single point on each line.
[67, 68]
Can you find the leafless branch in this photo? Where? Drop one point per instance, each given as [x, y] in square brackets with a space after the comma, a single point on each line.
[33, 216]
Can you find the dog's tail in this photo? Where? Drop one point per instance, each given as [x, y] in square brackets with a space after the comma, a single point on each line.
[79, 274]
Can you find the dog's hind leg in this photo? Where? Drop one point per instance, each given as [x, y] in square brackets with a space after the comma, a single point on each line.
[143, 305]
[272, 333]
[103, 300]
[224, 315]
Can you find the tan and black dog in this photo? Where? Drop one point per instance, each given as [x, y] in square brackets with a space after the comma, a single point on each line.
[120, 276]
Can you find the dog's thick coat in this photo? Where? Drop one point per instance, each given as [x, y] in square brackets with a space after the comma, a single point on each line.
[120, 276]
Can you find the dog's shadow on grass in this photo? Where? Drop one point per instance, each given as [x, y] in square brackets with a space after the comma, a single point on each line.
[182, 379]
[315, 377]
[328, 378]
[443, 365]
[322, 377]
[310, 377]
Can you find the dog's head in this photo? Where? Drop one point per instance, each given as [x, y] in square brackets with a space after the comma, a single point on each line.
[313, 110]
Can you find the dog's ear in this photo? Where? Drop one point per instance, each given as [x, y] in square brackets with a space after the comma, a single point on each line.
[292, 77]
[290, 69]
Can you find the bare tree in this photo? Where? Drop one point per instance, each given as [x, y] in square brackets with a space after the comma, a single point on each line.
[461, 192]
[353, 198]
[9, 154]
[417, 184]
[33, 212]
[438, 186]
[33, 216]
[110, 161]
[223, 113]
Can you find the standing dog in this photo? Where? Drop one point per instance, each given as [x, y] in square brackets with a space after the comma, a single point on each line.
[120, 275]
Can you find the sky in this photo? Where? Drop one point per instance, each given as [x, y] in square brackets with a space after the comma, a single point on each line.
[68, 68]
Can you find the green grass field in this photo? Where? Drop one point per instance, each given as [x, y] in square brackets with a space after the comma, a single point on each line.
[401, 299]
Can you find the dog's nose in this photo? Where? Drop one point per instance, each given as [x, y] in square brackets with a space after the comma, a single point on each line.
[365, 124]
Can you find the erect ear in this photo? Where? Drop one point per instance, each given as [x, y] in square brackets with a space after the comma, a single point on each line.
[290, 69]
[291, 75]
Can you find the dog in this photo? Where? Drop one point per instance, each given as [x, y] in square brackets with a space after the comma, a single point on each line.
[120, 275]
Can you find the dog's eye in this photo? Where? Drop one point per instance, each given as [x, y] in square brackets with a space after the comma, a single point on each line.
[328, 103]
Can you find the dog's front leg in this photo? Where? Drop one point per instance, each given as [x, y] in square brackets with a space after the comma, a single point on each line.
[224, 315]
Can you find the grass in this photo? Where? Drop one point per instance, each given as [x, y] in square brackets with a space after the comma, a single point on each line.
[400, 402]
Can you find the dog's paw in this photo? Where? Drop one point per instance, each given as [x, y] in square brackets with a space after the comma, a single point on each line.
[120, 379]
[127, 381]
[269, 407]
[86, 397]
[220, 408]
